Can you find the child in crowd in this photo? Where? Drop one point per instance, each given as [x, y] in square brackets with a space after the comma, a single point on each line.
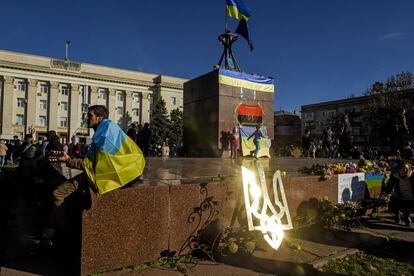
[401, 187]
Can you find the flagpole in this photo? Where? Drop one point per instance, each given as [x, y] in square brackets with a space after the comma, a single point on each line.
[225, 17]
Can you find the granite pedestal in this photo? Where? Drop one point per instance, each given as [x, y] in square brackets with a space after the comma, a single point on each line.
[178, 199]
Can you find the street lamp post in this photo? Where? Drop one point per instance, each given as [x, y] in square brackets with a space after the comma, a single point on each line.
[67, 49]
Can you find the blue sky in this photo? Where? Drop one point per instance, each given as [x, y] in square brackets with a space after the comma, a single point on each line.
[316, 50]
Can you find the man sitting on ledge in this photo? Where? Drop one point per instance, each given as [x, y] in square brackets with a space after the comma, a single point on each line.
[112, 161]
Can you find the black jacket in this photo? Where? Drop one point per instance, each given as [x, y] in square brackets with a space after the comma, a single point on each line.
[393, 185]
[54, 143]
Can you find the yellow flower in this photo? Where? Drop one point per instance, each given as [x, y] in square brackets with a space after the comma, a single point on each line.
[233, 247]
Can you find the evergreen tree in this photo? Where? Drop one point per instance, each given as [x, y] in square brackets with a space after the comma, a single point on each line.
[176, 129]
[160, 123]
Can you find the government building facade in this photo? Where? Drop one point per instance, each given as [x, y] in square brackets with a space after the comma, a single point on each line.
[38, 94]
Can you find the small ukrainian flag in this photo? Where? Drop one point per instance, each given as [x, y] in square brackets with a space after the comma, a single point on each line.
[237, 9]
[113, 159]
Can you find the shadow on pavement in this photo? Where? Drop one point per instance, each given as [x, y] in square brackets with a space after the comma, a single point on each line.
[398, 250]
[386, 224]
[268, 266]
[336, 237]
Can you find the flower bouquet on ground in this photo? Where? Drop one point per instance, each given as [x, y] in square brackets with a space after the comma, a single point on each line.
[363, 166]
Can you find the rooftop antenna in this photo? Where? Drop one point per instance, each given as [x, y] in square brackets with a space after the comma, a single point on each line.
[67, 49]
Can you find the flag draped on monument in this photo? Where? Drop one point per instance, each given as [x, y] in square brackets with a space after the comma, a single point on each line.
[248, 146]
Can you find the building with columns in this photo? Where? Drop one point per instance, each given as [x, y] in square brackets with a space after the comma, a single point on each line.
[41, 94]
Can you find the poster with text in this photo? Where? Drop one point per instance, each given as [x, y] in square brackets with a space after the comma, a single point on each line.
[351, 187]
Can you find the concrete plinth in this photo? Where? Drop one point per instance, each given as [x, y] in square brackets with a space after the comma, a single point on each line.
[210, 113]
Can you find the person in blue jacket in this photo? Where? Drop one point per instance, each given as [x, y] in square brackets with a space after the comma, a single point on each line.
[257, 137]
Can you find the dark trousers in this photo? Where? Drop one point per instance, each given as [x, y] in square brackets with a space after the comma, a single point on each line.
[69, 200]
[405, 206]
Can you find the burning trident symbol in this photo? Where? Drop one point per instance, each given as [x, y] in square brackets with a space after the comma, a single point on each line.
[260, 208]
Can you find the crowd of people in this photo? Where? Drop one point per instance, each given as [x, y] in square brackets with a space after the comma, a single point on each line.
[329, 145]
[11, 150]
[142, 136]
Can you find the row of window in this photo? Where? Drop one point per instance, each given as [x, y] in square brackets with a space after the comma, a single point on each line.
[64, 90]
[120, 111]
[120, 96]
[44, 88]
[42, 104]
[64, 106]
[41, 121]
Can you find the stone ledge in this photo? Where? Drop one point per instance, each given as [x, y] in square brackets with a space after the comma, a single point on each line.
[134, 225]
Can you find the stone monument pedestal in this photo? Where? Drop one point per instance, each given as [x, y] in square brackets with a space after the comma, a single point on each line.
[211, 109]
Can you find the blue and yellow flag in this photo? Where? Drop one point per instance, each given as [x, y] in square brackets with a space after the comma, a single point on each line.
[248, 146]
[237, 9]
[243, 80]
[113, 159]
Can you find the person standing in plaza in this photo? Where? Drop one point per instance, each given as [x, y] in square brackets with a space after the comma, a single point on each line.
[132, 132]
[327, 142]
[146, 139]
[344, 136]
[9, 154]
[258, 135]
[234, 142]
[17, 148]
[3, 152]
[401, 187]
[165, 150]
[306, 143]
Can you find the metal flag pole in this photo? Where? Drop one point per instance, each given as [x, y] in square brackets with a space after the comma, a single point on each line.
[225, 17]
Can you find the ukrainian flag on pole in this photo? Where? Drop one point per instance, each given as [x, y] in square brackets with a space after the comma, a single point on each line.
[113, 159]
[237, 9]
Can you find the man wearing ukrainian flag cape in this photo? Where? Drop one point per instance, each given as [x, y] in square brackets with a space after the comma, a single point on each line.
[112, 161]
